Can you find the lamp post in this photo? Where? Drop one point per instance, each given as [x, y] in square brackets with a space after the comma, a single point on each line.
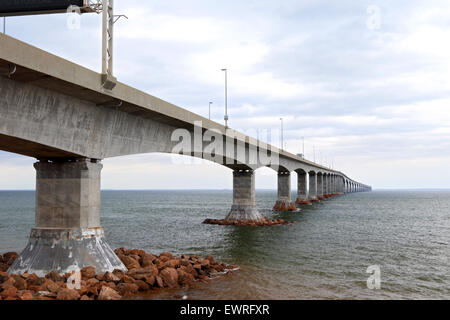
[209, 114]
[226, 99]
[282, 138]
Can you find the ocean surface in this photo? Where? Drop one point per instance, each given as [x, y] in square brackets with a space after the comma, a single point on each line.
[324, 255]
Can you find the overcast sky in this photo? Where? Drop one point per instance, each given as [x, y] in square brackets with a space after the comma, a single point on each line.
[367, 83]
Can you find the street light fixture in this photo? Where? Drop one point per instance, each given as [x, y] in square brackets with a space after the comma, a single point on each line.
[226, 99]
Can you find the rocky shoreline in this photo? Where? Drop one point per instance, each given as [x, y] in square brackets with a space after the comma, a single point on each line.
[250, 223]
[146, 273]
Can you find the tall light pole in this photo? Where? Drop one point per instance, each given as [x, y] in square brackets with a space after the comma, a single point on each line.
[303, 147]
[282, 138]
[209, 114]
[226, 99]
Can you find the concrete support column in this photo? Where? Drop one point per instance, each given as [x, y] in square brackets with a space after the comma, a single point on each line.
[325, 186]
[68, 235]
[244, 204]
[320, 186]
[312, 195]
[333, 184]
[284, 202]
[302, 189]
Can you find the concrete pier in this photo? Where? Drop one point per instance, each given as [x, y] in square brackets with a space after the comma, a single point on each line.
[68, 235]
[284, 202]
[244, 204]
[302, 188]
[320, 186]
[312, 192]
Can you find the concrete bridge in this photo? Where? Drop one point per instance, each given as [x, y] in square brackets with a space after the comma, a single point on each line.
[58, 112]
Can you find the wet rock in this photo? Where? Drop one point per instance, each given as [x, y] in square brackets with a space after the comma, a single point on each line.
[88, 273]
[127, 289]
[184, 278]
[170, 277]
[3, 267]
[143, 286]
[107, 293]
[68, 294]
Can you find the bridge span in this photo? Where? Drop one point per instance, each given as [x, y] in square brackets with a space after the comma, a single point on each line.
[59, 113]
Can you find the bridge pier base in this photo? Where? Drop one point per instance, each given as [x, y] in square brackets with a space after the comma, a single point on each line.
[244, 204]
[68, 235]
[302, 190]
[284, 202]
[312, 194]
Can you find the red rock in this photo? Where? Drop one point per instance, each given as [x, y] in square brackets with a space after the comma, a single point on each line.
[127, 289]
[128, 279]
[8, 283]
[3, 276]
[119, 273]
[172, 263]
[205, 263]
[211, 259]
[87, 273]
[159, 281]
[166, 254]
[143, 286]
[10, 292]
[20, 283]
[10, 257]
[184, 278]
[147, 260]
[197, 266]
[54, 276]
[92, 291]
[107, 293]
[27, 295]
[109, 276]
[83, 290]
[120, 251]
[137, 252]
[129, 262]
[184, 262]
[91, 282]
[3, 267]
[85, 297]
[112, 285]
[170, 277]
[68, 294]
[150, 280]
